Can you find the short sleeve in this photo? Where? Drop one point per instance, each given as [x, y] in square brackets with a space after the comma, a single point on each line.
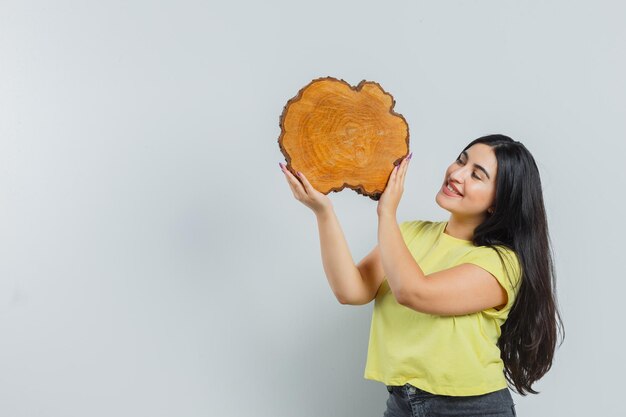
[506, 270]
[405, 228]
[410, 229]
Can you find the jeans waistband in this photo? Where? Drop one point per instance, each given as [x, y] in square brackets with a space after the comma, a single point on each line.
[407, 389]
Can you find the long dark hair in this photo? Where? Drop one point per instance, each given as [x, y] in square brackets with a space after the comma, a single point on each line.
[529, 335]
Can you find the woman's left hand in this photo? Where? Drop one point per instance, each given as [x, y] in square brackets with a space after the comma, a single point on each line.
[390, 198]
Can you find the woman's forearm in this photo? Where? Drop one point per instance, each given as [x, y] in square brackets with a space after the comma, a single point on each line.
[402, 272]
[342, 274]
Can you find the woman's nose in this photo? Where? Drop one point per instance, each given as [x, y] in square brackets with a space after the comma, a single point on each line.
[457, 175]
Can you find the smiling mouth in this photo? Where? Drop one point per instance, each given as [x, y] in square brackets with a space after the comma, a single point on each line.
[449, 191]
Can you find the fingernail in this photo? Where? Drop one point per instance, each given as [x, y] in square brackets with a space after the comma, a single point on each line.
[281, 166]
[299, 173]
[410, 155]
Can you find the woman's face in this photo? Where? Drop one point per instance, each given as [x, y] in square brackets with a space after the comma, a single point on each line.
[472, 178]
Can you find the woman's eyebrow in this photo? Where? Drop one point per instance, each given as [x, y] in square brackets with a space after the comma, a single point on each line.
[476, 165]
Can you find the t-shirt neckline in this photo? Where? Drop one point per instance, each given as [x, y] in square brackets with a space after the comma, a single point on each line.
[447, 236]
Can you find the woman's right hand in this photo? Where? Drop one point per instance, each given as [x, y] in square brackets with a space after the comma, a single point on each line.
[305, 193]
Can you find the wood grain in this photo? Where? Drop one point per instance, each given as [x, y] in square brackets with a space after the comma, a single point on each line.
[341, 136]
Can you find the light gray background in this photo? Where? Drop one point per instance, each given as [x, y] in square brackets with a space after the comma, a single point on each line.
[153, 261]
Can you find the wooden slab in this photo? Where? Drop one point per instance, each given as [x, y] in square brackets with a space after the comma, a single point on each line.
[341, 136]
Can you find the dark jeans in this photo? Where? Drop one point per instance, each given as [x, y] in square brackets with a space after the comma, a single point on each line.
[410, 401]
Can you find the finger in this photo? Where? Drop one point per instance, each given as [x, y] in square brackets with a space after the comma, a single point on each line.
[294, 190]
[292, 185]
[396, 171]
[307, 185]
[288, 173]
[392, 177]
[295, 185]
[395, 178]
[405, 166]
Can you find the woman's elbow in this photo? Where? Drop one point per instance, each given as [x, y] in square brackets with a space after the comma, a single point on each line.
[411, 300]
[352, 301]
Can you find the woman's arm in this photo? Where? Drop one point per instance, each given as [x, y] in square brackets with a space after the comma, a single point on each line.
[347, 282]
[463, 289]
[403, 274]
[343, 275]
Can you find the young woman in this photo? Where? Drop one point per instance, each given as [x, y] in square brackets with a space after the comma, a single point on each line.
[462, 307]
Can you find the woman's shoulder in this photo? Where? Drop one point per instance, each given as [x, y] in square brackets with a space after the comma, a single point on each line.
[498, 256]
[501, 250]
[421, 223]
[414, 227]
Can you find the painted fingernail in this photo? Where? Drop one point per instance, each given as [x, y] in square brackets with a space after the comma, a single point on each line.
[410, 155]
[299, 173]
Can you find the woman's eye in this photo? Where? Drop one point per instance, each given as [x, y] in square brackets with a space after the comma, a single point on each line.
[459, 160]
[475, 176]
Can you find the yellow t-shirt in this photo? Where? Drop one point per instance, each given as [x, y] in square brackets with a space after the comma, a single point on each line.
[447, 355]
